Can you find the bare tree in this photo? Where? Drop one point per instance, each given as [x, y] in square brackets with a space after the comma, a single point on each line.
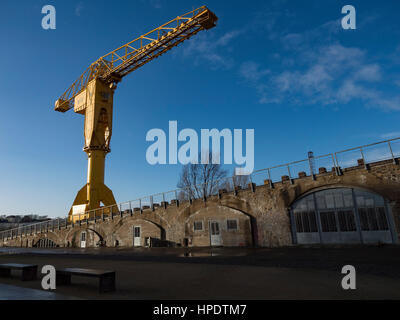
[236, 181]
[200, 180]
[241, 181]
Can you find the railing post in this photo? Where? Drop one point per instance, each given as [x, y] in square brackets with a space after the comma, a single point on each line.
[290, 176]
[120, 210]
[391, 152]
[311, 164]
[140, 206]
[271, 185]
[151, 203]
[365, 162]
[339, 171]
[334, 164]
[102, 214]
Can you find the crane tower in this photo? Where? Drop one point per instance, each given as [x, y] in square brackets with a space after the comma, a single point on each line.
[92, 96]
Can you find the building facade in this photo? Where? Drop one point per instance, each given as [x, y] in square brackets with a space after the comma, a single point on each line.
[359, 205]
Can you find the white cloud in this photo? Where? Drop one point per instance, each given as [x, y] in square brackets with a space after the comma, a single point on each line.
[325, 74]
[213, 50]
[251, 71]
[371, 72]
[390, 135]
[79, 8]
[156, 4]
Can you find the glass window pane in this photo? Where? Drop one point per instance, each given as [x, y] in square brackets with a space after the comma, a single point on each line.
[198, 225]
[346, 220]
[369, 202]
[232, 225]
[351, 221]
[313, 222]
[339, 203]
[360, 201]
[383, 225]
[306, 222]
[299, 225]
[363, 218]
[328, 221]
[373, 222]
[348, 198]
[320, 201]
[330, 202]
[342, 221]
[379, 201]
[310, 204]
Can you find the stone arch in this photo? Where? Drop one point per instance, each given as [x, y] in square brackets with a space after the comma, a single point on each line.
[46, 239]
[232, 202]
[313, 189]
[227, 201]
[214, 217]
[155, 217]
[341, 214]
[123, 230]
[95, 236]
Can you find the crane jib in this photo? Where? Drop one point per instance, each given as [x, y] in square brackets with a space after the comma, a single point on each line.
[112, 67]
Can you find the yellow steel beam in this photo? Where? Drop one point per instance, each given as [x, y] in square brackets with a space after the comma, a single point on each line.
[120, 62]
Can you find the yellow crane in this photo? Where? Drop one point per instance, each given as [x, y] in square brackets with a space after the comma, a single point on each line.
[92, 96]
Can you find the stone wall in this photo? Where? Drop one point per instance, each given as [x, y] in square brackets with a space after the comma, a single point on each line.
[262, 213]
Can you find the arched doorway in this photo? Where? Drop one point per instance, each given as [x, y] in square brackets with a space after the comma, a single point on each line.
[45, 243]
[341, 215]
[217, 226]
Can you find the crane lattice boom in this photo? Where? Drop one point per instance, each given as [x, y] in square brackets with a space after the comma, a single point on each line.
[112, 67]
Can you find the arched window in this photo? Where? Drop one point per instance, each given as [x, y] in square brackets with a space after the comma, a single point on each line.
[341, 215]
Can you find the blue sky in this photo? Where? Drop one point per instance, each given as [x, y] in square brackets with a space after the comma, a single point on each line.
[283, 68]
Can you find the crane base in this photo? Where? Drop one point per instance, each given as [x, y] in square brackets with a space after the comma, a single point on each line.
[104, 195]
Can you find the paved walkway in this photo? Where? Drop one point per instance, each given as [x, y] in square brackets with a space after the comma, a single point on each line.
[281, 273]
[8, 292]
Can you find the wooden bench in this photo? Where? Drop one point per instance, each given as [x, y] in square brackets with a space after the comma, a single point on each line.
[29, 271]
[106, 278]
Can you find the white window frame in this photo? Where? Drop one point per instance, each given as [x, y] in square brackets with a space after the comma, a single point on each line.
[237, 225]
[202, 226]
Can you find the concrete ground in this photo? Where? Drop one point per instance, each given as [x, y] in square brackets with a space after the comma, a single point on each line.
[240, 274]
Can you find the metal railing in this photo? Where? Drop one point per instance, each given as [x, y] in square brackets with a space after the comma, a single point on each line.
[337, 162]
